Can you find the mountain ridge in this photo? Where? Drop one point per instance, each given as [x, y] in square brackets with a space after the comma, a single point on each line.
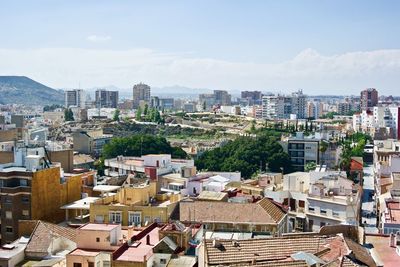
[24, 90]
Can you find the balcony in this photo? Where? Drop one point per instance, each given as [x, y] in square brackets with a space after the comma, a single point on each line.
[16, 189]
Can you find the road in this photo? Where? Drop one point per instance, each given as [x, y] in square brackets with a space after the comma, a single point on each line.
[368, 211]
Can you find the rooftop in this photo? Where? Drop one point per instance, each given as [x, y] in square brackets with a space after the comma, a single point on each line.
[85, 252]
[83, 203]
[382, 251]
[139, 250]
[41, 236]
[262, 212]
[99, 227]
[10, 250]
[291, 250]
[210, 195]
[393, 211]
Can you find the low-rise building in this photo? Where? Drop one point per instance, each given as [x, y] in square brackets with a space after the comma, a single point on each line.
[292, 250]
[13, 254]
[264, 216]
[151, 165]
[302, 150]
[134, 205]
[90, 142]
[95, 245]
[316, 199]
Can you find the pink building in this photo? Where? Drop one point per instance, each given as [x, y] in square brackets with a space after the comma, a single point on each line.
[95, 245]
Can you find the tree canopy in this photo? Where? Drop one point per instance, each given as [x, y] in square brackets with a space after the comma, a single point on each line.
[352, 146]
[116, 115]
[68, 115]
[137, 145]
[247, 155]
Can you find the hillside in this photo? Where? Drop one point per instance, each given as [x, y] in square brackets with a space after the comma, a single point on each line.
[23, 90]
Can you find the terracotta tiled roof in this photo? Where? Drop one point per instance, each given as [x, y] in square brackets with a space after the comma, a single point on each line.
[262, 212]
[346, 262]
[272, 209]
[280, 264]
[263, 250]
[360, 253]
[334, 250]
[41, 236]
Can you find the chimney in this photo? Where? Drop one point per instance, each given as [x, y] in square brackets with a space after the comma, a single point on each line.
[148, 240]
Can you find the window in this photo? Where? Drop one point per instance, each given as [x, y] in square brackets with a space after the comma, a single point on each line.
[310, 225]
[97, 239]
[311, 209]
[323, 211]
[25, 199]
[335, 213]
[147, 219]
[90, 264]
[99, 219]
[163, 261]
[23, 182]
[135, 218]
[8, 200]
[9, 229]
[77, 264]
[115, 217]
[322, 224]
[25, 212]
[8, 215]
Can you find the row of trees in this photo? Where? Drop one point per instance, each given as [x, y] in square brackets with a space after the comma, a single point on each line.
[289, 127]
[248, 155]
[52, 107]
[149, 114]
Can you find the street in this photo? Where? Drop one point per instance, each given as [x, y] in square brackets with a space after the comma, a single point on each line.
[368, 212]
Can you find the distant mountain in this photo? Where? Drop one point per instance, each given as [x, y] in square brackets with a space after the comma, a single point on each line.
[23, 90]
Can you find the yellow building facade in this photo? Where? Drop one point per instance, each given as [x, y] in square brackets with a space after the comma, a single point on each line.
[134, 206]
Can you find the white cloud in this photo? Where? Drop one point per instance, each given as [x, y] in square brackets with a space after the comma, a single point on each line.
[315, 73]
[98, 38]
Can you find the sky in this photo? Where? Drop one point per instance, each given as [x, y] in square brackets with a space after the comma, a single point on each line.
[322, 47]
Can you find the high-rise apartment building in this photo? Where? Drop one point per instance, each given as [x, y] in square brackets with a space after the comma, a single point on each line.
[369, 98]
[106, 99]
[219, 97]
[253, 95]
[344, 108]
[141, 93]
[222, 98]
[298, 100]
[281, 107]
[75, 98]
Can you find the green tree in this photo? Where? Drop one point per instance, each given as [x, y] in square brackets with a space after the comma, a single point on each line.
[280, 162]
[146, 109]
[247, 155]
[253, 126]
[141, 144]
[311, 166]
[68, 115]
[116, 115]
[139, 114]
[204, 106]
